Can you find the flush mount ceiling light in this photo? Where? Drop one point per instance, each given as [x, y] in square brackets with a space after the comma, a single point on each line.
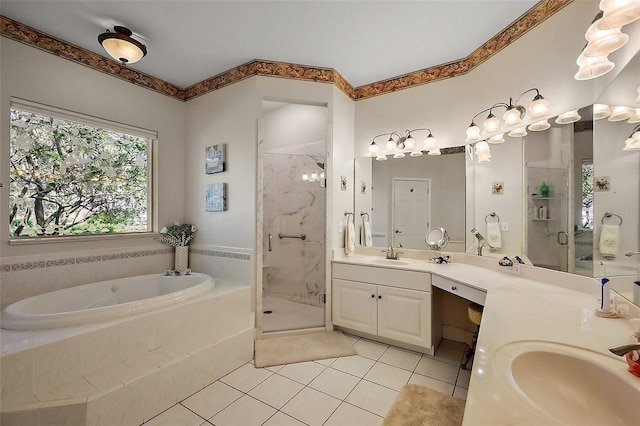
[399, 145]
[513, 116]
[121, 46]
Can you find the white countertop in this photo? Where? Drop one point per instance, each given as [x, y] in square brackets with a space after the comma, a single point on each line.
[532, 306]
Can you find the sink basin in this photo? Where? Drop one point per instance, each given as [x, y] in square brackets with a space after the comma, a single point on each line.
[569, 384]
[390, 262]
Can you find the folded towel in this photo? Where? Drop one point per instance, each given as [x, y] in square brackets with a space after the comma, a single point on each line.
[368, 240]
[494, 236]
[609, 240]
[349, 237]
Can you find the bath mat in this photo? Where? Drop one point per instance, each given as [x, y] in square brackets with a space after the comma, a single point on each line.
[420, 406]
[308, 347]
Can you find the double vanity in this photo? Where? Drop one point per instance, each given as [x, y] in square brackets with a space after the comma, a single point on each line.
[542, 354]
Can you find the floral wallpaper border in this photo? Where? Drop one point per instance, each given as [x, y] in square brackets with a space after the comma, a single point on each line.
[534, 16]
[66, 261]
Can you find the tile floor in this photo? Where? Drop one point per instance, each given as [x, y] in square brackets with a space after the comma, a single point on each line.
[284, 313]
[354, 390]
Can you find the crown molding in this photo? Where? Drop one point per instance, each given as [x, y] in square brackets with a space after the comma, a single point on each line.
[30, 36]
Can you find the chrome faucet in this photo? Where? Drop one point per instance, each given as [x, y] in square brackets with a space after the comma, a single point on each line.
[392, 254]
[622, 350]
[481, 241]
[632, 253]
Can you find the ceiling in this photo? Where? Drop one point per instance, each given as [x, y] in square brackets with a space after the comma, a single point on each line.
[365, 41]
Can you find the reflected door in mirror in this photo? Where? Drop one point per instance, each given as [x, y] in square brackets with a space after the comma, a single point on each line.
[411, 207]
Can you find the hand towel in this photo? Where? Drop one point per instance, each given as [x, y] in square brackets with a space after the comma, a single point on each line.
[349, 237]
[368, 240]
[494, 235]
[609, 240]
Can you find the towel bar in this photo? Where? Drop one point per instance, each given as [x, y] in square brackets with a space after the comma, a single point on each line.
[301, 236]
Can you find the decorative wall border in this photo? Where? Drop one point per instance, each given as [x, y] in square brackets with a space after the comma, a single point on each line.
[23, 265]
[530, 19]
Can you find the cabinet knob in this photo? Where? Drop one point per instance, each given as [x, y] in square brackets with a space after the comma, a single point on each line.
[373, 296]
[379, 297]
[454, 288]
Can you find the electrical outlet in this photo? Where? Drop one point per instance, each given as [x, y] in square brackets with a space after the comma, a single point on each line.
[515, 269]
[505, 226]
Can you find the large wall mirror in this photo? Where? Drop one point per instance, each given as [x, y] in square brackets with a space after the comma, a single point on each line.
[576, 207]
[403, 198]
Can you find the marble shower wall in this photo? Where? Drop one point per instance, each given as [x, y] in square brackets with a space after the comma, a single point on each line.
[294, 269]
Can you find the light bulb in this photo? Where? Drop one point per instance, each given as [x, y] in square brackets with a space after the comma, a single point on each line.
[512, 116]
[305, 177]
[518, 133]
[539, 107]
[473, 133]
[314, 177]
[568, 117]
[618, 13]
[539, 126]
[491, 123]
[373, 149]
[619, 113]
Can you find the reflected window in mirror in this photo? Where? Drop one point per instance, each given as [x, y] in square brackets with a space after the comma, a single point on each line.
[587, 194]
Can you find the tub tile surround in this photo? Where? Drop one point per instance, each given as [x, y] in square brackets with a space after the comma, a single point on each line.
[536, 305]
[125, 371]
[293, 207]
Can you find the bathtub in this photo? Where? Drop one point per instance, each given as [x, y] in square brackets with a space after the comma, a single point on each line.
[103, 301]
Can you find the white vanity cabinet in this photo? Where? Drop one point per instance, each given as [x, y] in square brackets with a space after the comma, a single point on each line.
[387, 303]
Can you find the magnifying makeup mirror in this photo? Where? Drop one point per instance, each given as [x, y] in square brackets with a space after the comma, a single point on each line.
[437, 238]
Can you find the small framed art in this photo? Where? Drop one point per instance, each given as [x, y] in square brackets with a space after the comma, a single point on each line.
[216, 197]
[215, 157]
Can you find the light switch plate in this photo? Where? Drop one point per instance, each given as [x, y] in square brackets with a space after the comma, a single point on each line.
[505, 226]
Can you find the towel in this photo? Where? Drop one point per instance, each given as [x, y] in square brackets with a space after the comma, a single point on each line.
[368, 240]
[494, 236]
[349, 237]
[609, 240]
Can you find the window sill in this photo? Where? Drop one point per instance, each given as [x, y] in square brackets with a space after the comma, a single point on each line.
[80, 238]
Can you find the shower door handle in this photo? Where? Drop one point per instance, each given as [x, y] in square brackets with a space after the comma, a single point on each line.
[270, 242]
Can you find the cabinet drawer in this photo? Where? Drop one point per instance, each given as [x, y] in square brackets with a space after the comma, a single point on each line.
[412, 280]
[459, 289]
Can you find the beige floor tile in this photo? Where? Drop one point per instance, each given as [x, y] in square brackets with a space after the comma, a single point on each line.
[302, 372]
[428, 382]
[460, 393]
[281, 419]
[370, 349]
[350, 415]
[388, 375]
[276, 390]
[355, 364]
[451, 352]
[327, 362]
[212, 399]
[437, 369]
[372, 397]
[176, 415]
[311, 406]
[335, 383]
[246, 377]
[244, 411]
[401, 358]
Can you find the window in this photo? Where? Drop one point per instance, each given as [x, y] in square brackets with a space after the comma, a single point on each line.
[75, 175]
[587, 194]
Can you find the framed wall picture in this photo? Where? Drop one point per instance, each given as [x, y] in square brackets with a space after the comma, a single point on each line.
[215, 157]
[216, 197]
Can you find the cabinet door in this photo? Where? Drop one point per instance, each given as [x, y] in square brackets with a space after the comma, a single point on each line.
[404, 315]
[355, 305]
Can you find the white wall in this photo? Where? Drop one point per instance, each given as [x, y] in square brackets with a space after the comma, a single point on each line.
[37, 76]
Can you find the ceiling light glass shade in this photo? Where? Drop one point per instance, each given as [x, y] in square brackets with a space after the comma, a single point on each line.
[399, 154]
[601, 111]
[592, 67]
[417, 153]
[496, 139]
[430, 142]
[512, 116]
[473, 133]
[491, 124]
[631, 144]
[410, 143]
[619, 113]
[373, 149]
[484, 157]
[636, 135]
[121, 46]
[635, 116]
[381, 158]
[518, 133]
[539, 107]
[391, 145]
[305, 177]
[434, 151]
[314, 177]
[568, 117]
[605, 42]
[618, 13]
[539, 126]
[482, 147]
